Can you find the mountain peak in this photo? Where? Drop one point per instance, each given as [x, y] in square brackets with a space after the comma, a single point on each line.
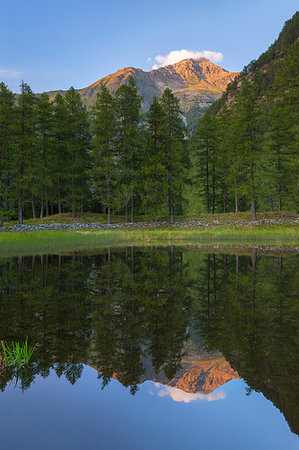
[196, 82]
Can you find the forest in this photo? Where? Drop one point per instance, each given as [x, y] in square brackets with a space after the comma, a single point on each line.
[58, 156]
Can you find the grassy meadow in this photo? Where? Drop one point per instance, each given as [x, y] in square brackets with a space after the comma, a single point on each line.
[13, 243]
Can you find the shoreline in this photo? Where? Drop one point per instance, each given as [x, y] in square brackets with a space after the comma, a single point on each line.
[141, 225]
[281, 235]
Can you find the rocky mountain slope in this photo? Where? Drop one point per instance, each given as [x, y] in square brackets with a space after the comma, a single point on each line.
[262, 71]
[196, 82]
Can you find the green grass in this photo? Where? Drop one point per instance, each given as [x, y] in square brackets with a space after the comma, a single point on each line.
[102, 218]
[16, 243]
[16, 354]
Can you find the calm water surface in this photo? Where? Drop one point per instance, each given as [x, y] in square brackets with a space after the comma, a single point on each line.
[151, 348]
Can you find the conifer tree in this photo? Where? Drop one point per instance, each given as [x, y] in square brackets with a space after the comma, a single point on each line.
[78, 141]
[284, 141]
[104, 150]
[45, 149]
[7, 119]
[128, 103]
[153, 178]
[248, 124]
[60, 153]
[204, 142]
[25, 149]
[174, 133]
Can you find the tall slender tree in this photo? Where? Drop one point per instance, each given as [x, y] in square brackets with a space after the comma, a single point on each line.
[175, 134]
[153, 174]
[25, 149]
[128, 103]
[78, 142]
[104, 150]
[7, 124]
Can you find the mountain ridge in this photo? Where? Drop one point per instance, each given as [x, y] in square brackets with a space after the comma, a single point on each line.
[196, 82]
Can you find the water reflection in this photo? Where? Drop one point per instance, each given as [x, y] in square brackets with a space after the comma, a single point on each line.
[187, 320]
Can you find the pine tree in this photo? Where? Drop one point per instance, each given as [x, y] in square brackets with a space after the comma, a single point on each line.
[175, 134]
[104, 150]
[128, 103]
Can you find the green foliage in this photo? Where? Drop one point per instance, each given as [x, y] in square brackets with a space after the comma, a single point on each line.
[104, 154]
[16, 354]
[253, 130]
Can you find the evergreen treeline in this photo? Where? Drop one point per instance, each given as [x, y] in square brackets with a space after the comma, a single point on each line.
[57, 157]
[245, 155]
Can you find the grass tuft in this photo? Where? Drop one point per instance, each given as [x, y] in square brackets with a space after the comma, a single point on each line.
[16, 354]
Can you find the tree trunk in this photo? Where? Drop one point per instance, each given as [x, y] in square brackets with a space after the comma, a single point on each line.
[213, 182]
[42, 204]
[7, 200]
[279, 184]
[126, 212]
[132, 207]
[59, 196]
[20, 212]
[236, 197]
[207, 180]
[33, 207]
[47, 203]
[109, 215]
[253, 204]
[171, 208]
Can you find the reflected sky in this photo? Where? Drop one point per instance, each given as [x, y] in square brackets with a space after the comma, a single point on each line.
[151, 348]
[53, 414]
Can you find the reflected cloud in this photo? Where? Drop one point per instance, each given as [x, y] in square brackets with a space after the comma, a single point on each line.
[180, 396]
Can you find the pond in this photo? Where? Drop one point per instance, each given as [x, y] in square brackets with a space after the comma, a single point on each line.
[152, 348]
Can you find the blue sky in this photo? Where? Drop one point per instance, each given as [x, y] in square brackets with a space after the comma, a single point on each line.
[56, 44]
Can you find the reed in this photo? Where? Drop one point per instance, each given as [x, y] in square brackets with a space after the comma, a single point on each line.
[16, 354]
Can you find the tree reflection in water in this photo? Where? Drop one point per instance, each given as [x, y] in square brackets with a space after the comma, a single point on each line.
[131, 313]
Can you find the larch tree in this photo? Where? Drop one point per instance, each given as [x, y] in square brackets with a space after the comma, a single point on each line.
[153, 174]
[7, 124]
[175, 134]
[78, 142]
[128, 102]
[25, 149]
[104, 150]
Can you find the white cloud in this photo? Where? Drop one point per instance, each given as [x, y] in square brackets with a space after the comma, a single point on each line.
[149, 59]
[8, 74]
[177, 55]
[180, 396]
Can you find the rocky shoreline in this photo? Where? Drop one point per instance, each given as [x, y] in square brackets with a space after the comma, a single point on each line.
[140, 225]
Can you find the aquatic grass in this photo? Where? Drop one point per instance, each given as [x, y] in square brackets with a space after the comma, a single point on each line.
[16, 354]
[38, 242]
